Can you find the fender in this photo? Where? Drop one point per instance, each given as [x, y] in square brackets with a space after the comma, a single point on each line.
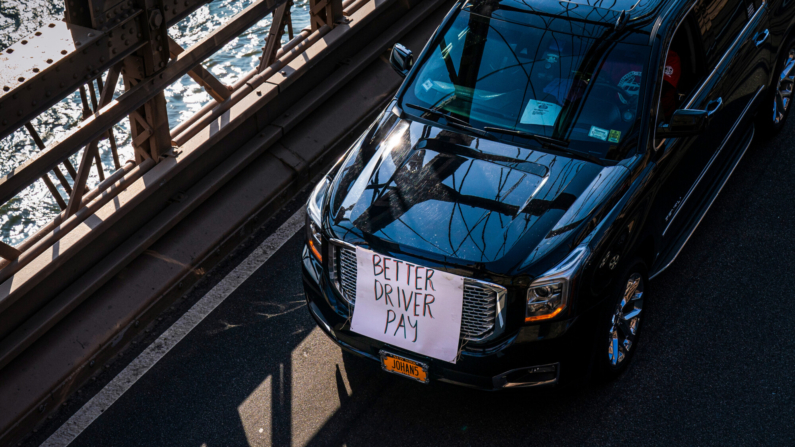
[620, 236]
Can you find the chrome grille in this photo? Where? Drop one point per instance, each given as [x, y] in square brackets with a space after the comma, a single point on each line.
[347, 274]
[480, 310]
[480, 299]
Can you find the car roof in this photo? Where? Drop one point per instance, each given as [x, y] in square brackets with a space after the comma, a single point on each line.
[581, 17]
[636, 6]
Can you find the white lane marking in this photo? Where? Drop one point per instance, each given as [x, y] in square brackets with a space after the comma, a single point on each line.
[157, 350]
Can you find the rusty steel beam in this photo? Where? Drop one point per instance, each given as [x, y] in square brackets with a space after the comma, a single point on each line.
[8, 252]
[204, 78]
[325, 12]
[274, 39]
[57, 171]
[42, 69]
[84, 100]
[176, 10]
[46, 178]
[38, 72]
[76, 199]
[106, 267]
[105, 14]
[159, 142]
[149, 60]
[92, 151]
[97, 158]
[137, 96]
[113, 78]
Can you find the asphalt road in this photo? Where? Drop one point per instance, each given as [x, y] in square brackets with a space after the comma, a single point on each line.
[714, 367]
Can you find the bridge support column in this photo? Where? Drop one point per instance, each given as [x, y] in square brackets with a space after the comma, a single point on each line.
[149, 125]
[150, 129]
[281, 18]
[325, 12]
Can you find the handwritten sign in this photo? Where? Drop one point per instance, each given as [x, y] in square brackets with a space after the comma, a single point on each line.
[407, 305]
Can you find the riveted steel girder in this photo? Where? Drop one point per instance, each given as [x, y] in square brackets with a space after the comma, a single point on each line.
[325, 12]
[95, 126]
[39, 71]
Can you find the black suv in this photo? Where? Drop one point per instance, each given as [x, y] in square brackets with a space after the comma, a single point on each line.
[554, 156]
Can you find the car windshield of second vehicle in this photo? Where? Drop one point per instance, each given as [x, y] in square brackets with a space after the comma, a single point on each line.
[492, 73]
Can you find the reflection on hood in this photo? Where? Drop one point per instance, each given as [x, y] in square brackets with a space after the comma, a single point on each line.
[441, 193]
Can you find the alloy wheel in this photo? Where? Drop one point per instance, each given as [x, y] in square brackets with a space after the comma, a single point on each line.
[625, 320]
[786, 80]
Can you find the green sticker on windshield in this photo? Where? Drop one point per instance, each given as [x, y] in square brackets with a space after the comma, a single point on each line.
[614, 136]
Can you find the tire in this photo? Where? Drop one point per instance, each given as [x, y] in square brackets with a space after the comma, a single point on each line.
[618, 331]
[771, 118]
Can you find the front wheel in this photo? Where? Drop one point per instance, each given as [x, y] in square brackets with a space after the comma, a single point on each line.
[619, 330]
[771, 117]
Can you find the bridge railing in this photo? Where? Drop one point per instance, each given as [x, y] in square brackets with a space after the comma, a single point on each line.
[98, 42]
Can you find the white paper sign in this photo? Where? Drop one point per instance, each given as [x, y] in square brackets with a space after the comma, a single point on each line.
[408, 306]
[540, 113]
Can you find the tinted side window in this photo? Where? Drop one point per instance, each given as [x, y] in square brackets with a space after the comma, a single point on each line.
[720, 22]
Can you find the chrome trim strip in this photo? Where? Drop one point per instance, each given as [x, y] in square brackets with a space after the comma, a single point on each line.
[753, 131]
[711, 160]
[344, 244]
[500, 381]
[661, 19]
[657, 112]
[753, 20]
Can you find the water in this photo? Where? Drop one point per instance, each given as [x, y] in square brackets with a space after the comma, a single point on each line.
[34, 207]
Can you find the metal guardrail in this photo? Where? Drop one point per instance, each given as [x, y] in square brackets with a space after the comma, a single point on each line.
[100, 41]
[35, 287]
[260, 141]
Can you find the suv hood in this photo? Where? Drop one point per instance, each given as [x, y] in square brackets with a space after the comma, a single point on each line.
[412, 188]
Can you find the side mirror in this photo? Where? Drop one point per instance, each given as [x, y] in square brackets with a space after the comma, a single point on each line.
[685, 123]
[402, 59]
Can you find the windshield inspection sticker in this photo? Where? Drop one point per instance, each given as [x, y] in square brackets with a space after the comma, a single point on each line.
[540, 113]
[427, 85]
[598, 133]
[614, 136]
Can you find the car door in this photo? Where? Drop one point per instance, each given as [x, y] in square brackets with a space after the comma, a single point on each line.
[732, 34]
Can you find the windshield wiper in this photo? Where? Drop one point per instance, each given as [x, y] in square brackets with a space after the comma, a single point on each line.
[455, 122]
[437, 112]
[551, 143]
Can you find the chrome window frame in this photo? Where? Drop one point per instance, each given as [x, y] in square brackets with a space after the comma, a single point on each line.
[737, 40]
[751, 21]
[657, 147]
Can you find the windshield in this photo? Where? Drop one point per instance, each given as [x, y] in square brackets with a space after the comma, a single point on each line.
[492, 73]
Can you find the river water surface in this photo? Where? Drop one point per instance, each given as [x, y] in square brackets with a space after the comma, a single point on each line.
[34, 206]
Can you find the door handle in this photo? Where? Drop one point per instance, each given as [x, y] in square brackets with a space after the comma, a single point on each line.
[713, 106]
[761, 37]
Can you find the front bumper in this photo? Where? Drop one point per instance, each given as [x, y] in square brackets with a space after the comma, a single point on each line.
[549, 354]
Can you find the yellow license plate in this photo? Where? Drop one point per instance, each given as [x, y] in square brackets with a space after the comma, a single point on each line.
[404, 367]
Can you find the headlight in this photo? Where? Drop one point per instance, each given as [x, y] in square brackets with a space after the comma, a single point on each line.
[313, 221]
[548, 295]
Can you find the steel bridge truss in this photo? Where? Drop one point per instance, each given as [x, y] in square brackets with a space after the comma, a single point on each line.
[98, 42]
